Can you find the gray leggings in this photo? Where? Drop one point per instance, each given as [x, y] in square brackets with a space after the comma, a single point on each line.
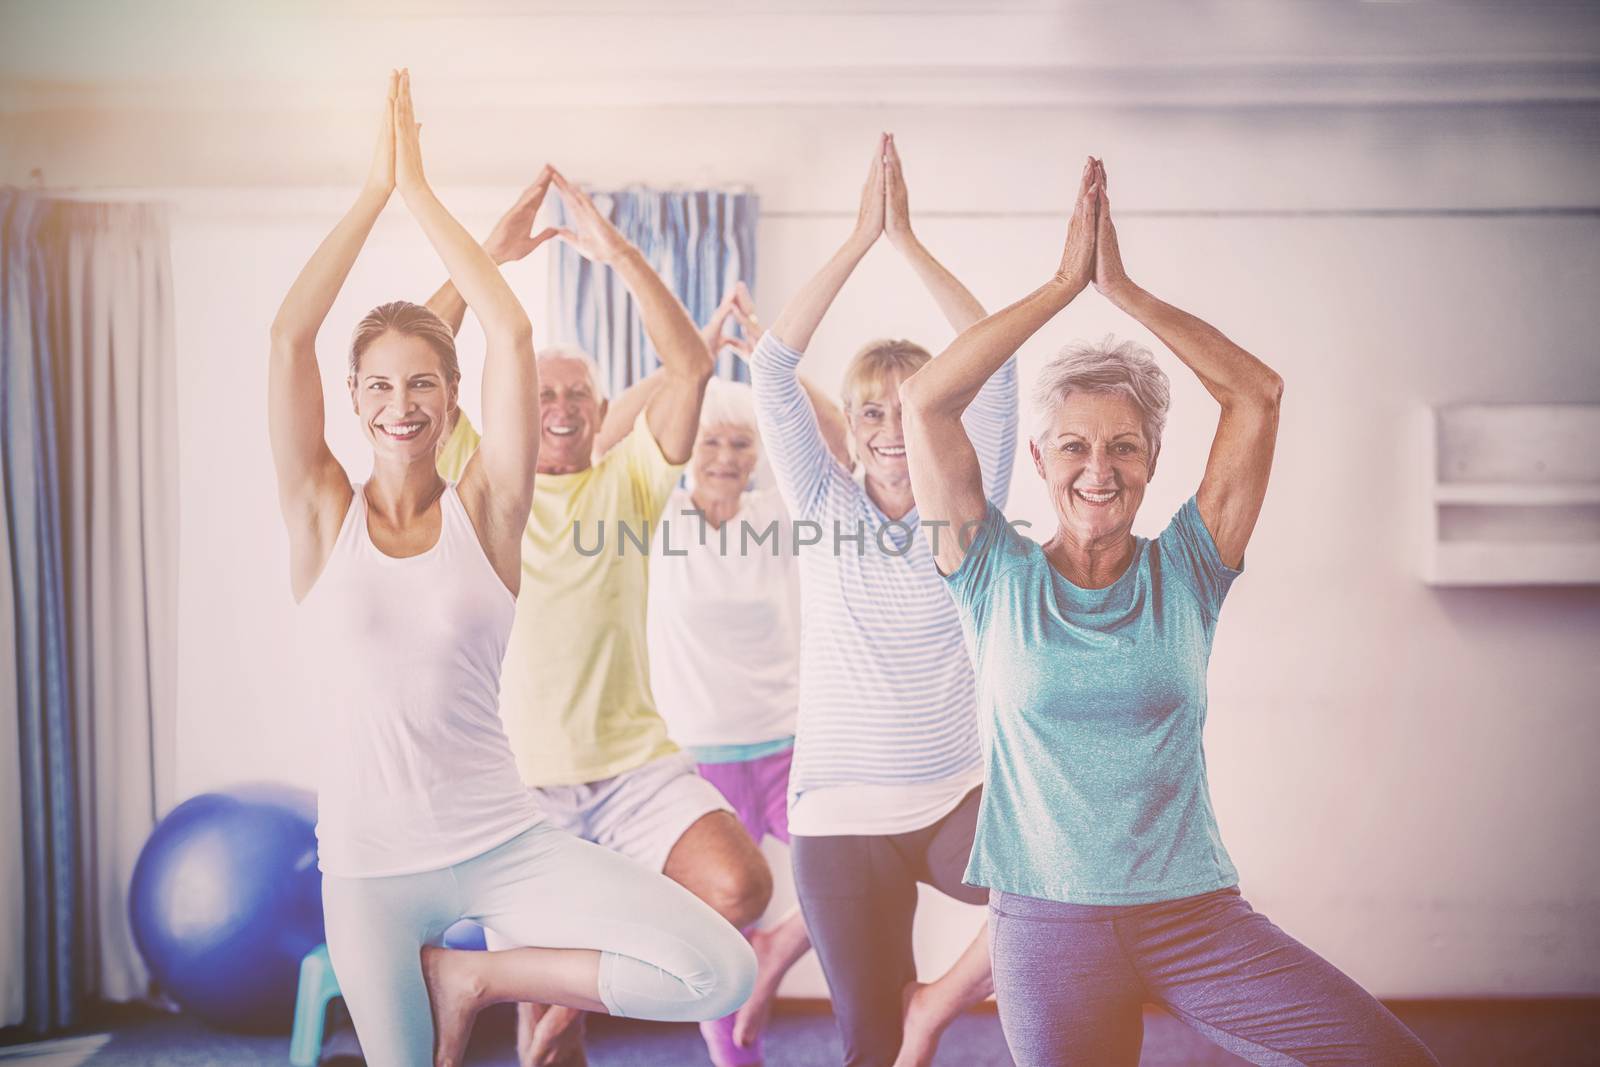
[1072, 978]
[859, 895]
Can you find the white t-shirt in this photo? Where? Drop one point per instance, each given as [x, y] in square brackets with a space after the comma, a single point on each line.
[724, 623]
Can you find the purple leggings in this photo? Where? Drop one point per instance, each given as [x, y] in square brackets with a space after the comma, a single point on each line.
[1072, 980]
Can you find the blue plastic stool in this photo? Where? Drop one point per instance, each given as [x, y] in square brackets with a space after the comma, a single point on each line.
[318, 985]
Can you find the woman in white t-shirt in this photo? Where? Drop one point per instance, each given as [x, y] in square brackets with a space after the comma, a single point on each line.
[407, 587]
[724, 632]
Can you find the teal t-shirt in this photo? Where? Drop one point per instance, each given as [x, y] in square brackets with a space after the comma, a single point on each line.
[1094, 700]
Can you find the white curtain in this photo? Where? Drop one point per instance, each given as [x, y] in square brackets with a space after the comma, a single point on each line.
[96, 283]
[121, 524]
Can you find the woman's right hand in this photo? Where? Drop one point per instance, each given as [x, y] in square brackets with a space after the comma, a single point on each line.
[869, 217]
[1077, 259]
[380, 178]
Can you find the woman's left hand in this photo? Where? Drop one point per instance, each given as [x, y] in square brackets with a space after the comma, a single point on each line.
[896, 206]
[407, 139]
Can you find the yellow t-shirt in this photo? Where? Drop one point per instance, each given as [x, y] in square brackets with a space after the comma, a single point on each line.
[575, 691]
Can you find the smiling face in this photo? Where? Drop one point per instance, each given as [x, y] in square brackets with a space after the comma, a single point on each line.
[725, 456]
[1096, 462]
[880, 443]
[402, 395]
[570, 413]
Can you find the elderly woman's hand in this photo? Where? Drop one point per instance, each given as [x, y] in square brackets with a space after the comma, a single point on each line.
[896, 205]
[869, 216]
[1077, 259]
[712, 333]
[1109, 276]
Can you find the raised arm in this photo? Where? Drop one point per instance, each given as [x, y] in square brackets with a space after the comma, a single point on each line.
[624, 411]
[313, 490]
[1235, 481]
[946, 478]
[511, 239]
[835, 428]
[673, 413]
[804, 311]
[960, 308]
[802, 457]
[497, 486]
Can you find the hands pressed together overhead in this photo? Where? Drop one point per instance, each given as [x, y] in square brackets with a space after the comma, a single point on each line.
[884, 210]
[397, 159]
[1092, 255]
[397, 164]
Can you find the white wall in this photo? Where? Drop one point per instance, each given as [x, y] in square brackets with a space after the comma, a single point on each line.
[1403, 774]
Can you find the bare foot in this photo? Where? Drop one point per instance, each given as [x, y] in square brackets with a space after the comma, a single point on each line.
[455, 993]
[549, 1035]
[920, 1027]
[751, 1018]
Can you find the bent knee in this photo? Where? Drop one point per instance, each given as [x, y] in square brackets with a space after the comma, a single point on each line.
[741, 893]
[730, 977]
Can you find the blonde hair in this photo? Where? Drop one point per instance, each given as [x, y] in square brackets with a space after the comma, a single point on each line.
[410, 320]
[877, 364]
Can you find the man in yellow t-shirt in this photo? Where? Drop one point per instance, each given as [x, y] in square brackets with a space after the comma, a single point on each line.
[575, 694]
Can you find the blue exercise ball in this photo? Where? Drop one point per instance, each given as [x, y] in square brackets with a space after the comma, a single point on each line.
[226, 899]
[466, 935]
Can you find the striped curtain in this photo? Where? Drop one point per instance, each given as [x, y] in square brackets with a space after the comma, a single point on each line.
[88, 587]
[701, 242]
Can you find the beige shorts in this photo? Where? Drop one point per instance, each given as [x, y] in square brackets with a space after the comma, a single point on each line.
[640, 813]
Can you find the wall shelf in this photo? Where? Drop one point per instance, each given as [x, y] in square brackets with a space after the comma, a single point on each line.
[1513, 494]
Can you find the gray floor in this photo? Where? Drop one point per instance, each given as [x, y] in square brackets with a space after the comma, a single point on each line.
[1540, 1033]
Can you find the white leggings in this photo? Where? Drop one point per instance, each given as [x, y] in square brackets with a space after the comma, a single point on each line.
[664, 954]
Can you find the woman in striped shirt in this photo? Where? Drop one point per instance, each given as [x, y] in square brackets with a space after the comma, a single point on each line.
[885, 782]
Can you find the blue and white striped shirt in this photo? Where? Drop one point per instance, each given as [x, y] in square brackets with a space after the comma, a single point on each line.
[886, 686]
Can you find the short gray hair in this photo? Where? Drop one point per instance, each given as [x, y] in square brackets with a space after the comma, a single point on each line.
[729, 403]
[1127, 368]
[571, 351]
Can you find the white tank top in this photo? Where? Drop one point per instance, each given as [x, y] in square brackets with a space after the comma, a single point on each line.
[404, 658]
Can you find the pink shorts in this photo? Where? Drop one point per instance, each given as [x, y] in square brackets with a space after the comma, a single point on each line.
[758, 790]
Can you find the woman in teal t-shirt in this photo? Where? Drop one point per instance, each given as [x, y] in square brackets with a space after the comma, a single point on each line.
[1109, 885]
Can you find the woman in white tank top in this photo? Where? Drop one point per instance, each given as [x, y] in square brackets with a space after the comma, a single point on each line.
[407, 586]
